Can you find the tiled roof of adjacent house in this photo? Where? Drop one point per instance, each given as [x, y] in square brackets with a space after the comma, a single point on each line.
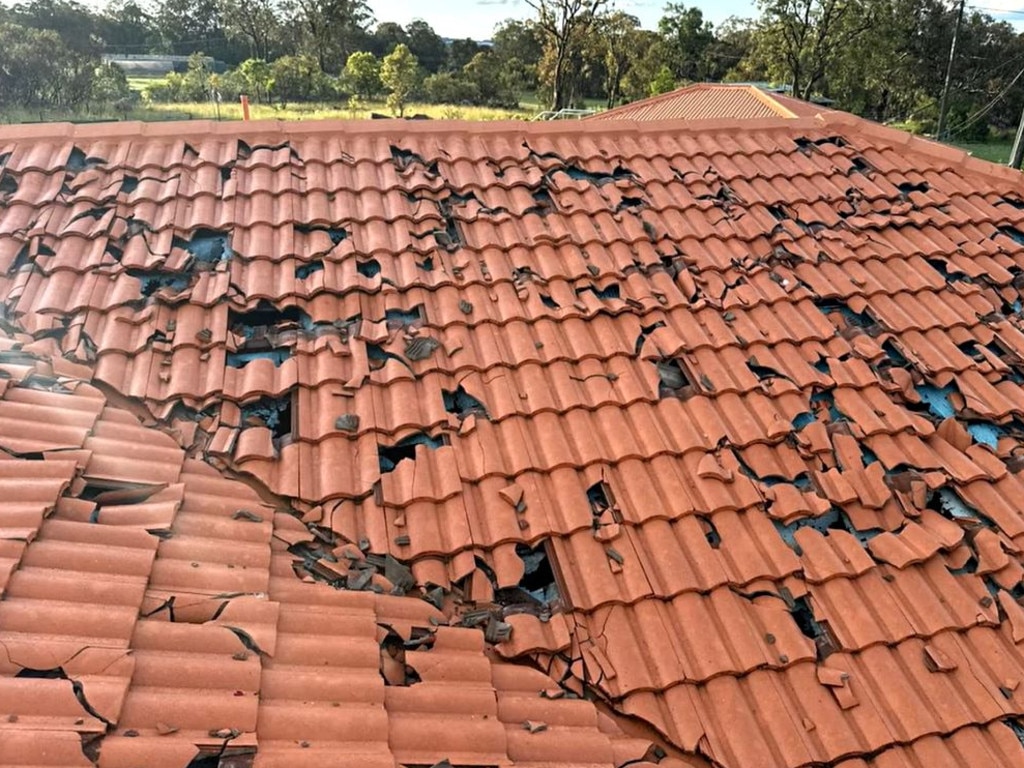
[712, 101]
[574, 444]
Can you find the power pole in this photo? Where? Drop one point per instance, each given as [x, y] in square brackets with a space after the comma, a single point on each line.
[1018, 146]
[940, 131]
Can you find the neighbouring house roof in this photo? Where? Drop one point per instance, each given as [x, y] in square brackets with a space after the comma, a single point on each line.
[712, 101]
[508, 443]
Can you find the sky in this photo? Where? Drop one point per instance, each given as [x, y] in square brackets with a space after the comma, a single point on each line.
[477, 18]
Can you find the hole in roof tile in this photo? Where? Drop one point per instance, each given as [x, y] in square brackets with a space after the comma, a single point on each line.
[78, 161]
[1014, 725]
[153, 280]
[1013, 233]
[405, 158]
[985, 433]
[860, 165]
[336, 234]
[1012, 200]
[600, 499]
[630, 203]
[818, 631]
[673, 381]
[393, 665]
[427, 265]
[243, 358]
[764, 372]
[538, 575]
[645, 331]
[948, 503]
[907, 187]
[942, 267]
[807, 146]
[548, 302]
[275, 413]
[802, 420]
[576, 173]
[368, 268]
[265, 317]
[8, 184]
[609, 292]
[390, 455]
[129, 184]
[303, 271]
[856, 319]
[711, 534]
[894, 355]
[205, 246]
[95, 214]
[544, 203]
[937, 399]
[462, 404]
[378, 357]
[404, 318]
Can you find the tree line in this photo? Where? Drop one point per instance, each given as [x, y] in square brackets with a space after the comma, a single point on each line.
[884, 59]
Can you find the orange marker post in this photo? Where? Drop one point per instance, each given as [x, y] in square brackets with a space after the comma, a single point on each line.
[245, 106]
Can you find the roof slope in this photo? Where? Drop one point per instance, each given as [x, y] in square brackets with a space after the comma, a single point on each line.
[721, 428]
[712, 101]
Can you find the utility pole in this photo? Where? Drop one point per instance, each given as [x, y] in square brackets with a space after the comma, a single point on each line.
[940, 131]
[1018, 146]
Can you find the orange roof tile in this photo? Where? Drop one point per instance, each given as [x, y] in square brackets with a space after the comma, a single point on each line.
[510, 444]
[712, 101]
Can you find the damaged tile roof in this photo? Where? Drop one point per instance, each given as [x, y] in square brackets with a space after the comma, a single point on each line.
[712, 101]
[638, 442]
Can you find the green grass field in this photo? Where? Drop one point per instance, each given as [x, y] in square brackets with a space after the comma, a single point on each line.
[997, 151]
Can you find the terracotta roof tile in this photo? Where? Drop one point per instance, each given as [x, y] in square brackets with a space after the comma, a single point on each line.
[401, 444]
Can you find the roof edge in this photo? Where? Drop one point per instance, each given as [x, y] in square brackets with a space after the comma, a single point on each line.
[186, 129]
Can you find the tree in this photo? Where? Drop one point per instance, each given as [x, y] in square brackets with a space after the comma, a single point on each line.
[387, 36]
[493, 81]
[565, 23]
[331, 29]
[110, 88]
[426, 45]
[257, 77]
[256, 22]
[460, 52]
[299, 78]
[449, 88]
[362, 73]
[800, 40]
[38, 71]
[399, 73]
[663, 82]
[125, 27]
[619, 32]
[687, 39]
[77, 27]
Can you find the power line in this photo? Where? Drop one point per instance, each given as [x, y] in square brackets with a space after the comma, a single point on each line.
[972, 119]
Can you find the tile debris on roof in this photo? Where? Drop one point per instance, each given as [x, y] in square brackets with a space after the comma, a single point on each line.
[712, 101]
[632, 442]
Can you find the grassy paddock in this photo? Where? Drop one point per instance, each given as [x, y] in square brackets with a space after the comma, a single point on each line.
[996, 151]
[233, 111]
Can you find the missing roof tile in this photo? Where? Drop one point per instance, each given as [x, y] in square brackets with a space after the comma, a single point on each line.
[578, 173]
[672, 379]
[336, 234]
[609, 292]
[255, 323]
[389, 456]
[818, 631]
[404, 159]
[462, 404]
[78, 161]
[368, 268]
[543, 203]
[538, 575]
[275, 413]
[153, 280]
[8, 184]
[303, 271]
[207, 247]
[711, 534]
[394, 668]
[404, 318]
